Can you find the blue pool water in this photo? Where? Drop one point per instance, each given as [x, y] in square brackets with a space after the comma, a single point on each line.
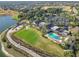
[54, 36]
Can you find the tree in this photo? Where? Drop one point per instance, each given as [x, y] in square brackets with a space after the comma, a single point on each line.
[68, 53]
[4, 40]
[72, 24]
[9, 45]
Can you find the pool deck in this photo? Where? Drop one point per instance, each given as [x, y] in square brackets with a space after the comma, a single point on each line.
[57, 41]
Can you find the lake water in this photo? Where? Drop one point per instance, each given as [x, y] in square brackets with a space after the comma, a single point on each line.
[5, 22]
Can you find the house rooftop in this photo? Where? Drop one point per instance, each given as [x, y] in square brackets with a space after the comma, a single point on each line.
[54, 28]
[59, 30]
[38, 21]
[49, 26]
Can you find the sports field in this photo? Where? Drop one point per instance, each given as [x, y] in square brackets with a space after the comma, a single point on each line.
[28, 36]
[34, 37]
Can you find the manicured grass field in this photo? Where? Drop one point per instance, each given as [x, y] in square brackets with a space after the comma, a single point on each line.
[30, 36]
[34, 37]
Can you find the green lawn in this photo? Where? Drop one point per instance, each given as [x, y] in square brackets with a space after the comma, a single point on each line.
[29, 36]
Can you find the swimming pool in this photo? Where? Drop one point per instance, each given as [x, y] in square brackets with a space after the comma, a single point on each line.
[54, 36]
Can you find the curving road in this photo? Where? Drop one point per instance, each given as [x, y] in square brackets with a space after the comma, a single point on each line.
[18, 45]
